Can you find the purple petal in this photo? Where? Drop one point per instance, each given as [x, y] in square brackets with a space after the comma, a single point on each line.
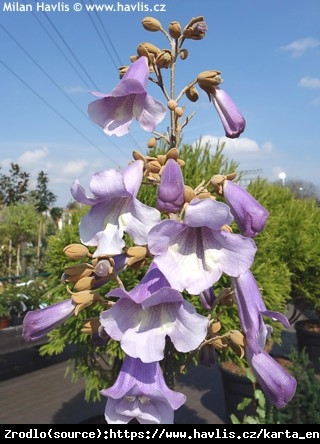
[232, 120]
[251, 308]
[115, 210]
[277, 384]
[250, 215]
[170, 196]
[140, 392]
[38, 323]
[195, 258]
[207, 298]
[129, 100]
[207, 213]
[142, 332]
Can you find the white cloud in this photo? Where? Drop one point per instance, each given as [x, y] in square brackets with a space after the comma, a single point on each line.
[75, 90]
[235, 146]
[299, 47]
[75, 166]
[32, 157]
[310, 82]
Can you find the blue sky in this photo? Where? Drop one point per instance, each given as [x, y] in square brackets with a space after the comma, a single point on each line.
[268, 53]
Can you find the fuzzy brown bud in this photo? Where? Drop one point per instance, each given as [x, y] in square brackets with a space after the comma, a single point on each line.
[172, 104]
[189, 193]
[175, 30]
[146, 48]
[164, 59]
[76, 251]
[208, 80]
[178, 111]
[183, 54]
[152, 142]
[192, 94]
[122, 71]
[196, 29]
[151, 24]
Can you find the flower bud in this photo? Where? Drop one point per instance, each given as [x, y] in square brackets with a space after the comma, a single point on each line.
[90, 325]
[103, 268]
[122, 71]
[208, 80]
[189, 194]
[170, 196]
[145, 48]
[178, 111]
[85, 283]
[172, 104]
[76, 251]
[152, 142]
[183, 54]
[151, 24]
[192, 94]
[196, 31]
[175, 30]
[164, 59]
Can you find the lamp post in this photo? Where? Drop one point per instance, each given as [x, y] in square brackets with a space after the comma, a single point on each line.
[283, 176]
[301, 192]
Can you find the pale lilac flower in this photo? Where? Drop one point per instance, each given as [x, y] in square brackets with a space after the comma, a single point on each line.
[232, 119]
[140, 392]
[115, 210]
[129, 100]
[277, 384]
[143, 317]
[170, 196]
[38, 323]
[193, 255]
[250, 216]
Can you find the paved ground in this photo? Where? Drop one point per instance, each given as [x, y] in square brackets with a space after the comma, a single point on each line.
[34, 390]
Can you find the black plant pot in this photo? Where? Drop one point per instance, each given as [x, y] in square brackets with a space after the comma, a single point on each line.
[308, 338]
[236, 387]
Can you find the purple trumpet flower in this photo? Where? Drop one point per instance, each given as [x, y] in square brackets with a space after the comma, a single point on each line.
[231, 118]
[38, 323]
[141, 393]
[115, 210]
[193, 255]
[277, 384]
[250, 216]
[143, 317]
[129, 100]
[171, 188]
[251, 309]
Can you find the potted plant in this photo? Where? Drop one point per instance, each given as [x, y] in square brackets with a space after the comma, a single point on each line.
[294, 224]
[4, 312]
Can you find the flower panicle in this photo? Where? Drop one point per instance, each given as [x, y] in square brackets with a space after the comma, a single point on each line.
[187, 265]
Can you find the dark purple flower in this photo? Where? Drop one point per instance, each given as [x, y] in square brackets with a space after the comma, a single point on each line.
[277, 384]
[232, 119]
[129, 100]
[250, 216]
[140, 392]
[38, 323]
[171, 188]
